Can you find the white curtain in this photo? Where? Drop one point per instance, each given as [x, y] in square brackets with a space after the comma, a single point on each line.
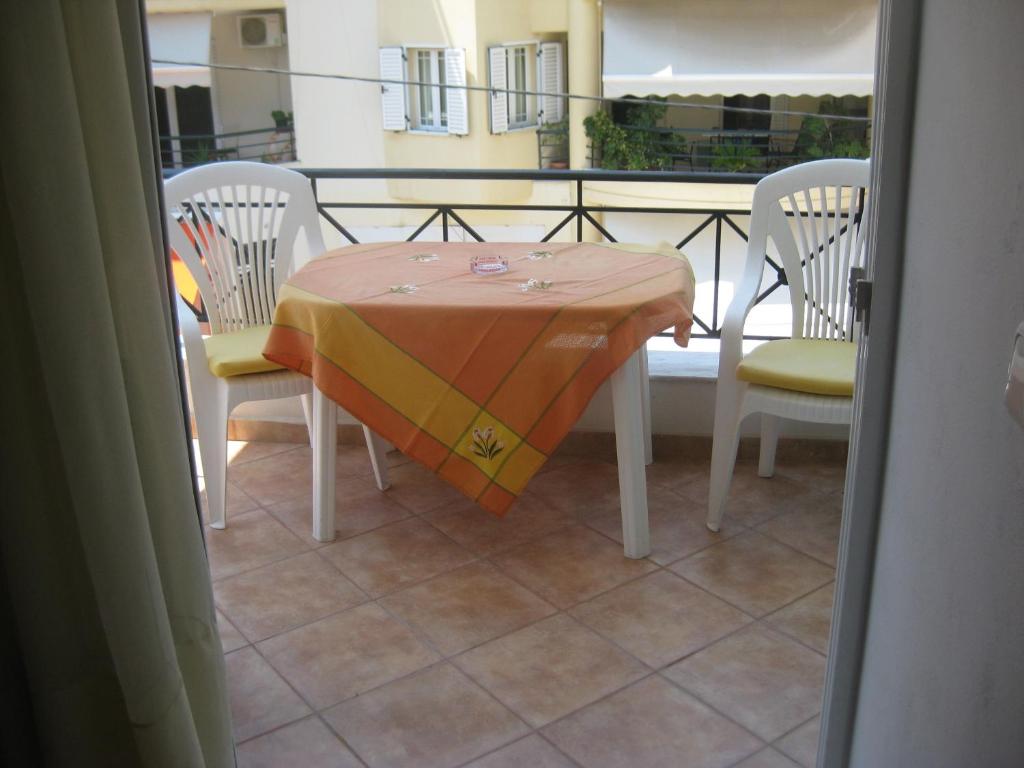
[108, 643]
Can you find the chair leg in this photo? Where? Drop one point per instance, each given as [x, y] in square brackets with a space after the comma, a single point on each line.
[307, 413]
[723, 456]
[378, 458]
[645, 393]
[212, 424]
[769, 441]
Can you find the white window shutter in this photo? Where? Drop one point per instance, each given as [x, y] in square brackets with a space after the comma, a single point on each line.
[552, 80]
[498, 97]
[455, 75]
[392, 95]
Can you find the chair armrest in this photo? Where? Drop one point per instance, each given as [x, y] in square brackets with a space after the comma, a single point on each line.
[731, 347]
[195, 350]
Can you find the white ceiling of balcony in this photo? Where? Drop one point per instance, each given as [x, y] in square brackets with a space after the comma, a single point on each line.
[180, 37]
[729, 47]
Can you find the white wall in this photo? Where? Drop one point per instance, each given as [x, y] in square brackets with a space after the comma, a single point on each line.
[244, 100]
[337, 123]
[943, 681]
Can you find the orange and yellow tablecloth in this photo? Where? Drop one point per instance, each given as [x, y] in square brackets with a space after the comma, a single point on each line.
[477, 377]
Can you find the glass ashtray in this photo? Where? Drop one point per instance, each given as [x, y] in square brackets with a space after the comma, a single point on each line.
[488, 265]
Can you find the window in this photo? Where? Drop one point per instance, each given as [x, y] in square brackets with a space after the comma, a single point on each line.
[522, 110]
[185, 111]
[430, 112]
[517, 72]
[753, 126]
[437, 103]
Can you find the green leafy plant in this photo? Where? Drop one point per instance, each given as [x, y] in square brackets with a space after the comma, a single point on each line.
[203, 152]
[635, 144]
[735, 158]
[282, 119]
[856, 149]
[820, 137]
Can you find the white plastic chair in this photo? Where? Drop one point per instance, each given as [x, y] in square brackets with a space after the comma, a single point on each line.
[236, 227]
[820, 240]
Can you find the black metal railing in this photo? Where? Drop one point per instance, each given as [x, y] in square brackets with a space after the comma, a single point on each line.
[553, 145]
[268, 145]
[577, 215]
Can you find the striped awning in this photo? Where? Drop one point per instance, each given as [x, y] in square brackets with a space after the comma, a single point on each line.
[730, 47]
[180, 37]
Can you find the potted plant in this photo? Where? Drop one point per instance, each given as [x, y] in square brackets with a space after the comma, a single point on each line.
[555, 137]
[282, 120]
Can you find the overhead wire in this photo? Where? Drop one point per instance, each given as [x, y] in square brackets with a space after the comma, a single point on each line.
[488, 89]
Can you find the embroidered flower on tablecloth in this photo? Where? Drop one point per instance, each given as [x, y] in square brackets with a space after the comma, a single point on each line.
[407, 288]
[424, 257]
[533, 284]
[485, 444]
[539, 255]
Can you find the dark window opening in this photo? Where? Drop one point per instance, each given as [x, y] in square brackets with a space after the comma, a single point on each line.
[195, 118]
[748, 122]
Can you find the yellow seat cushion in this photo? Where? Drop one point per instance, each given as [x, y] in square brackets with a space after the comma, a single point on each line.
[239, 352]
[815, 366]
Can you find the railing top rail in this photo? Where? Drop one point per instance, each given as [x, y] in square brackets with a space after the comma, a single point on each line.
[545, 174]
[726, 133]
[230, 135]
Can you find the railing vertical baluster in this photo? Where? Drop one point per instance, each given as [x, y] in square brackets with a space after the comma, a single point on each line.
[718, 272]
[579, 210]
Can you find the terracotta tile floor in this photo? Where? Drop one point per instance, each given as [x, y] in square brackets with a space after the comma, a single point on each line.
[433, 634]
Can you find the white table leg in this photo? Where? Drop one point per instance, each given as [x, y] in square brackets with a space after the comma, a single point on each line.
[627, 401]
[325, 448]
[645, 392]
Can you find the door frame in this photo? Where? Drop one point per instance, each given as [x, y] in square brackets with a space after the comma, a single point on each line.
[896, 59]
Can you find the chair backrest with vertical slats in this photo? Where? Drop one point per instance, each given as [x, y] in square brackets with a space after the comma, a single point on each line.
[235, 226]
[817, 219]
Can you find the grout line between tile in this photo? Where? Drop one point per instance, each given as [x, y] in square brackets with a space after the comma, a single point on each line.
[308, 623]
[312, 709]
[488, 559]
[792, 730]
[558, 749]
[234, 462]
[218, 579]
[500, 703]
[474, 558]
[786, 544]
[775, 743]
[716, 710]
[351, 748]
[311, 713]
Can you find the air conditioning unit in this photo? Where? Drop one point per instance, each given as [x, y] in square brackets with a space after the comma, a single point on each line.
[260, 30]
